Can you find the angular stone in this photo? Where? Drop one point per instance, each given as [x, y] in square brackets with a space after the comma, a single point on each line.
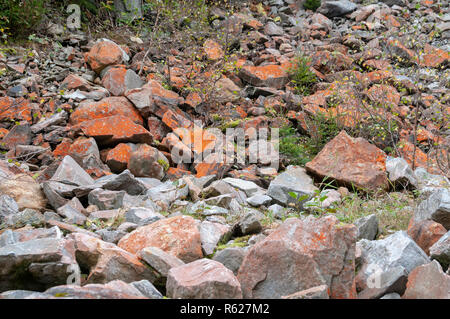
[15, 109]
[69, 172]
[115, 129]
[211, 234]
[147, 161]
[8, 206]
[177, 235]
[18, 135]
[425, 233]
[400, 172]
[117, 80]
[142, 216]
[249, 188]
[336, 8]
[441, 250]
[367, 227]
[104, 53]
[118, 158]
[231, 257]
[351, 162]
[319, 292]
[293, 180]
[147, 289]
[301, 254]
[105, 199]
[24, 190]
[259, 200]
[436, 207]
[203, 279]
[428, 282]
[159, 260]
[110, 106]
[213, 50]
[251, 222]
[386, 263]
[270, 75]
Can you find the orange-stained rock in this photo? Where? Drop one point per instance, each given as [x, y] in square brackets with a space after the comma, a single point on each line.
[3, 132]
[401, 53]
[421, 159]
[213, 50]
[90, 110]
[73, 82]
[147, 161]
[15, 109]
[118, 158]
[18, 135]
[351, 162]
[176, 120]
[384, 95]
[177, 235]
[327, 62]
[270, 75]
[102, 54]
[378, 76]
[117, 80]
[301, 254]
[114, 129]
[425, 233]
[157, 128]
[212, 165]
[83, 147]
[193, 99]
[176, 173]
[434, 57]
[428, 282]
[63, 148]
[180, 152]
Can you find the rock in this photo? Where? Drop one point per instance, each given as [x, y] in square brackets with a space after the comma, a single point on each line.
[441, 250]
[231, 257]
[400, 172]
[116, 289]
[36, 264]
[147, 161]
[277, 211]
[15, 109]
[147, 289]
[367, 227]
[301, 254]
[336, 8]
[392, 295]
[27, 216]
[429, 182]
[107, 262]
[251, 223]
[118, 80]
[425, 233]
[105, 199]
[24, 190]
[72, 212]
[386, 263]
[436, 207]
[57, 193]
[18, 135]
[319, 292]
[293, 180]
[248, 187]
[104, 53]
[203, 279]
[270, 75]
[213, 50]
[69, 172]
[110, 106]
[9, 237]
[272, 29]
[351, 162]
[159, 260]
[128, 9]
[141, 216]
[211, 234]
[428, 282]
[167, 193]
[113, 130]
[119, 157]
[177, 235]
[259, 200]
[8, 206]
[125, 181]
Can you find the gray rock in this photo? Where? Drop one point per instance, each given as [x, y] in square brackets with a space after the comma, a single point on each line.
[9, 237]
[142, 216]
[8, 206]
[221, 201]
[436, 207]
[36, 264]
[21, 294]
[392, 295]
[72, 212]
[147, 289]
[111, 236]
[272, 29]
[159, 260]
[57, 193]
[277, 211]
[231, 258]
[400, 173]
[248, 187]
[251, 222]
[207, 210]
[168, 192]
[125, 181]
[429, 182]
[441, 250]
[259, 199]
[26, 217]
[367, 227]
[211, 234]
[386, 263]
[295, 180]
[106, 200]
[69, 172]
[391, 3]
[338, 8]
[128, 9]
[56, 119]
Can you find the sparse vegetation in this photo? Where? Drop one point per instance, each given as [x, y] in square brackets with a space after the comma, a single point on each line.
[301, 75]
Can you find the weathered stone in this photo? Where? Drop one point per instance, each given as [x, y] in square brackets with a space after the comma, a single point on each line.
[336, 8]
[105, 199]
[428, 282]
[211, 234]
[270, 75]
[259, 199]
[141, 216]
[69, 172]
[441, 250]
[367, 227]
[386, 263]
[18, 135]
[425, 233]
[8, 206]
[436, 207]
[178, 236]
[147, 289]
[147, 161]
[301, 254]
[293, 180]
[203, 279]
[319, 292]
[24, 190]
[104, 53]
[118, 80]
[351, 162]
[251, 222]
[159, 260]
[400, 172]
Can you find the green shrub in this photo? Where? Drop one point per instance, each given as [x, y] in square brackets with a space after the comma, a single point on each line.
[311, 5]
[19, 17]
[301, 76]
[292, 148]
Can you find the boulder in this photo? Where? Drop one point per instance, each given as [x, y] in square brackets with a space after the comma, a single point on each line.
[441, 250]
[425, 233]
[428, 282]
[25, 191]
[147, 161]
[436, 207]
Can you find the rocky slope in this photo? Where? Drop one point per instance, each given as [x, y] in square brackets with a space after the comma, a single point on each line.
[100, 196]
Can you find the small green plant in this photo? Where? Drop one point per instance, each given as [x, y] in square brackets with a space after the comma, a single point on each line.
[301, 75]
[292, 147]
[311, 4]
[18, 17]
